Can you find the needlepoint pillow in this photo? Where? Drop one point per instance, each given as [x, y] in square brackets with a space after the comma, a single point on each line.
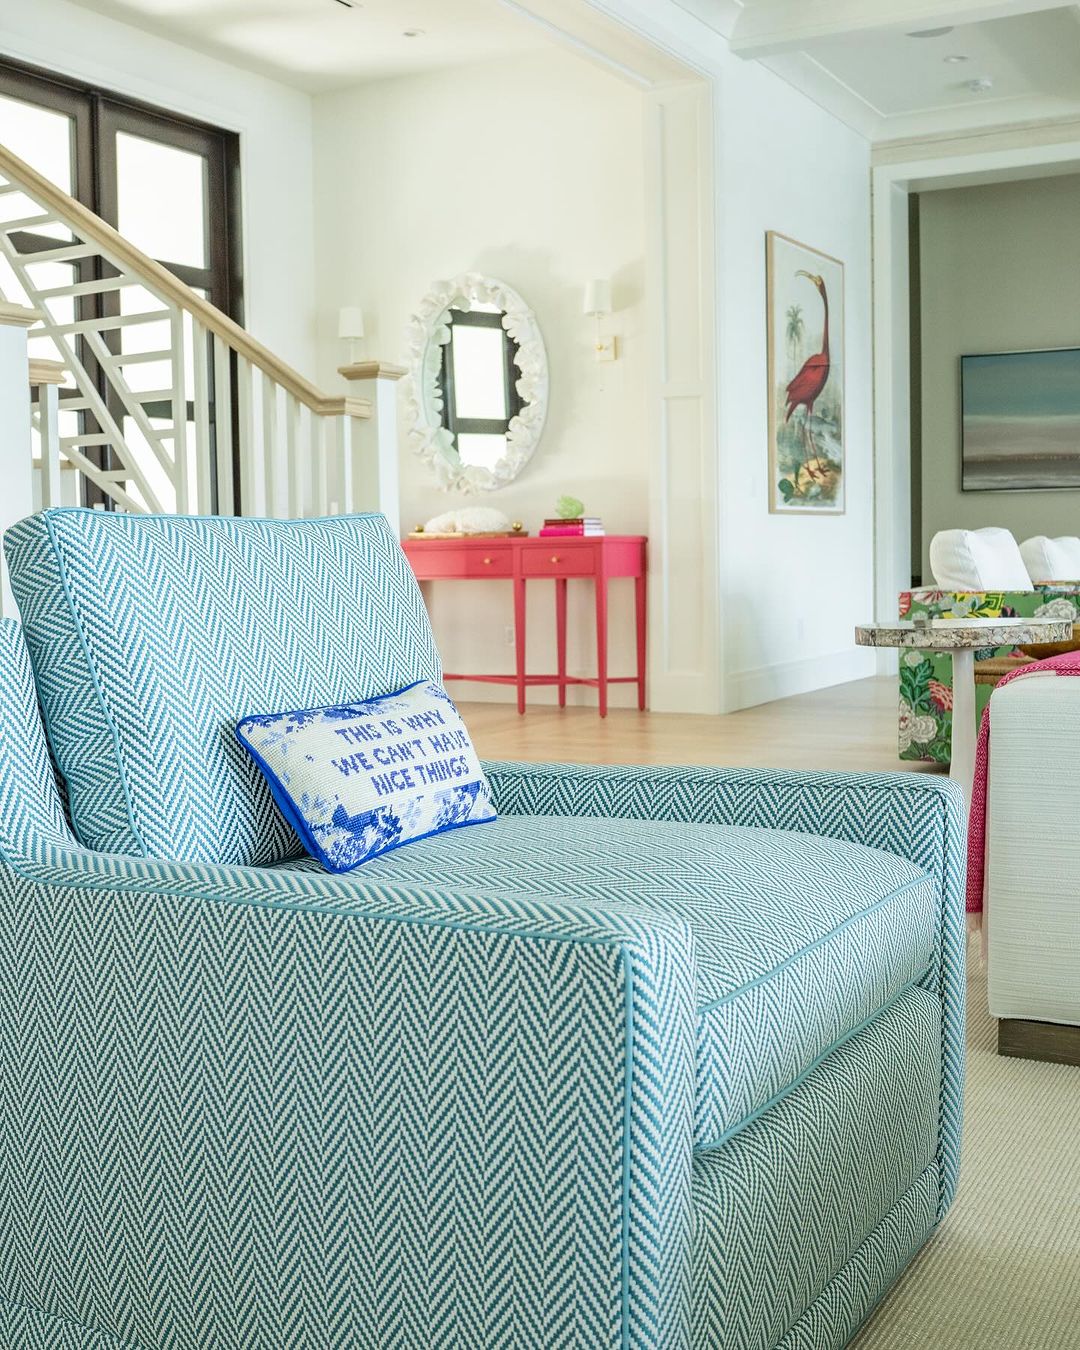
[358, 779]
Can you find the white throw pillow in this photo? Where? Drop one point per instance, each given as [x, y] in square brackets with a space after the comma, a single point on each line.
[978, 560]
[1052, 559]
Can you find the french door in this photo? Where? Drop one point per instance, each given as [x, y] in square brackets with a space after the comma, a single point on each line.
[169, 185]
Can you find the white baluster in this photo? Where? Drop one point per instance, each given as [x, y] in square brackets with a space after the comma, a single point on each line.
[320, 453]
[271, 451]
[200, 348]
[178, 401]
[223, 427]
[252, 463]
[298, 452]
[344, 454]
[49, 430]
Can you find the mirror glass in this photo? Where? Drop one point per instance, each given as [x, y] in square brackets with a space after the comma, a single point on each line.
[477, 393]
[479, 384]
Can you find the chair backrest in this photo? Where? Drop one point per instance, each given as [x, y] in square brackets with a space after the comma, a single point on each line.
[978, 560]
[1052, 559]
[150, 636]
[31, 811]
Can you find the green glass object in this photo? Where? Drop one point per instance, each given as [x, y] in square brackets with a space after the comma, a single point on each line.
[569, 508]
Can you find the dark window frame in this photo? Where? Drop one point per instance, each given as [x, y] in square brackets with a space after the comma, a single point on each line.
[97, 114]
[479, 426]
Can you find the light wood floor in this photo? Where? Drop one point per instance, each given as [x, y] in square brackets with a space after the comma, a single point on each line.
[851, 726]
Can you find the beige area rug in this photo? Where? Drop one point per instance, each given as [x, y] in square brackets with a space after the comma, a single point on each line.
[1003, 1271]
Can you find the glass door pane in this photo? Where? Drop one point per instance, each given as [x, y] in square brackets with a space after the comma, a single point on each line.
[46, 140]
[161, 199]
[40, 136]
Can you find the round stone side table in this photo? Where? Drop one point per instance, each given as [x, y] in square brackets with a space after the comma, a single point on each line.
[961, 639]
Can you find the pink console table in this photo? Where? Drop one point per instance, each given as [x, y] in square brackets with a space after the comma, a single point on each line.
[533, 559]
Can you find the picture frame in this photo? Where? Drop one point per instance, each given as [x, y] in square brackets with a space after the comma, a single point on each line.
[806, 380]
[1020, 420]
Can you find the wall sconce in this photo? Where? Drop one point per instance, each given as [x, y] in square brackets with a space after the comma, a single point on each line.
[598, 304]
[350, 329]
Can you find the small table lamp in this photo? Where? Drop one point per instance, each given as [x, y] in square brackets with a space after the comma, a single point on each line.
[351, 328]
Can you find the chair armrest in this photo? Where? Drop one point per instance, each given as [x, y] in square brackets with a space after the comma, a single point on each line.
[916, 816]
[254, 1106]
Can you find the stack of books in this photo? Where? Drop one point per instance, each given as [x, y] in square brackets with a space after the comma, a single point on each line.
[576, 527]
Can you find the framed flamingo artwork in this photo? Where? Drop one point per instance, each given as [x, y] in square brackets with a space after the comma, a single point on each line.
[805, 299]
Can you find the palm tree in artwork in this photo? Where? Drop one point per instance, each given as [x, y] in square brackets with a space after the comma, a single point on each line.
[794, 333]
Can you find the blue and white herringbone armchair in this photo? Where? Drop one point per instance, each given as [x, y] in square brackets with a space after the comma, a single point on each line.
[662, 1058]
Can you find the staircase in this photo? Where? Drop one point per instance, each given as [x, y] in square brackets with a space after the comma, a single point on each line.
[144, 397]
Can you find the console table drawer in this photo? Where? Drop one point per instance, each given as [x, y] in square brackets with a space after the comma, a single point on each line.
[463, 562]
[554, 561]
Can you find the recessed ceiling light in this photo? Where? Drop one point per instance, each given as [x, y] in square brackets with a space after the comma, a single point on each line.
[413, 32]
[982, 85]
[931, 32]
[955, 59]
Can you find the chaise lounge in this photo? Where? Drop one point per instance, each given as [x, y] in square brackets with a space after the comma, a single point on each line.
[660, 1058]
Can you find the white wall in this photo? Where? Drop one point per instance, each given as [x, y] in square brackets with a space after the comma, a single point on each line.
[793, 587]
[274, 123]
[998, 273]
[529, 170]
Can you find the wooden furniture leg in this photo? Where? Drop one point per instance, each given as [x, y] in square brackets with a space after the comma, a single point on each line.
[560, 635]
[1048, 1041]
[519, 640]
[601, 641]
[640, 608]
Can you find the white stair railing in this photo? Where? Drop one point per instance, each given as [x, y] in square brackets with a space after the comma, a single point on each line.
[170, 404]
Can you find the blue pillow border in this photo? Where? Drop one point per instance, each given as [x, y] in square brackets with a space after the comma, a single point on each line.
[291, 811]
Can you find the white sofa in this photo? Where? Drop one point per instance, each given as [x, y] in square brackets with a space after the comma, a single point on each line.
[1033, 867]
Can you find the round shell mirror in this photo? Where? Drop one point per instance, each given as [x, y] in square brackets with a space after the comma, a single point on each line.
[477, 390]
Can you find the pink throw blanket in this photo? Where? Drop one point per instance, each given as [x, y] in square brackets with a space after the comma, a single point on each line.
[1068, 663]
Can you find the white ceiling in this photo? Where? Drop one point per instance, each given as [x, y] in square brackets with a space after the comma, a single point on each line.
[854, 56]
[323, 44]
[857, 56]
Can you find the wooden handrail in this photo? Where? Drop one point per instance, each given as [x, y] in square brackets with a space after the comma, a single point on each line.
[124, 255]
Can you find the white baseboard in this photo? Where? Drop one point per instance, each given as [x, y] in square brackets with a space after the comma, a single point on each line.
[746, 688]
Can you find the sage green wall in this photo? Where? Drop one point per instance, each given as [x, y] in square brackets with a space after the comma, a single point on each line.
[1000, 271]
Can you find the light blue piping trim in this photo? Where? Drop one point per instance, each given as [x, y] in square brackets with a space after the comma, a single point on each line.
[817, 942]
[627, 1143]
[92, 673]
[230, 520]
[778, 1097]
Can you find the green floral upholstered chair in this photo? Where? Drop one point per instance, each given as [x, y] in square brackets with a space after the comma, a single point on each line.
[925, 724]
[660, 1058]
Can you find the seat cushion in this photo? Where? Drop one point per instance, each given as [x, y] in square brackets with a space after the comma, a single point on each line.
[800, 940]
[151, 636]
[978, 560]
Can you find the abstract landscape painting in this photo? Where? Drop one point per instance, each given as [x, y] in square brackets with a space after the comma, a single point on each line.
[1021, 420]
[806, 378]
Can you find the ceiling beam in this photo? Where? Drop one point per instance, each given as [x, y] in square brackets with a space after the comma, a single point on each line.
[767, 27]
